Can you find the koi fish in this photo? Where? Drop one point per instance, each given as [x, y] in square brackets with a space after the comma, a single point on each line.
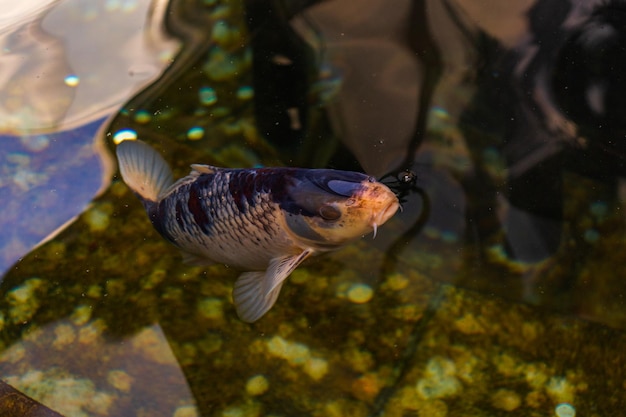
[263, 221]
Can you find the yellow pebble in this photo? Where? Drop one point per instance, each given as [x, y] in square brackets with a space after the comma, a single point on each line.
[316, 368]
[360, 293]
[97, 220]
[211, 308]
[397, 282]
[257, 385]
[506, 400]
[120, 380]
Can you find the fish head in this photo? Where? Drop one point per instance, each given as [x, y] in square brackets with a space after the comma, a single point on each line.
[328, 208]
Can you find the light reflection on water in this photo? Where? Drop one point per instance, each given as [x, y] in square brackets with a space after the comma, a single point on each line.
[47, 180]
[64, 72]
[518, 217]
[65, 39]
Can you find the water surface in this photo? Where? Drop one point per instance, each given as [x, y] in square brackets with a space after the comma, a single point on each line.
[496, 291]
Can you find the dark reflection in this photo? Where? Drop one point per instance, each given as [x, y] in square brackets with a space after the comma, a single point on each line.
[282, 72]
[587, 81]
[539, 88]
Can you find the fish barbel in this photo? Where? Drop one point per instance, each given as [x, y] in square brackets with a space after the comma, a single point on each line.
[264, 221]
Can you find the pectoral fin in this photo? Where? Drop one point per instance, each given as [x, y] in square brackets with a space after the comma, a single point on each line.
[280, 268]
[250, 302]
[256, 292]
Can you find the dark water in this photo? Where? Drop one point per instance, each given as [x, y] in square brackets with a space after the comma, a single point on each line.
[498, 290]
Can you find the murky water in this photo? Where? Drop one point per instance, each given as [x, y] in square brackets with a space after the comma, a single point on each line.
[498, 290]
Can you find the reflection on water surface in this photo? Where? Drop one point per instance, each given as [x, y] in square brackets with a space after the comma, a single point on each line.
[497, 290]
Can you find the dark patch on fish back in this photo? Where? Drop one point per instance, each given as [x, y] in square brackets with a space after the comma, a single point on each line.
[245, 184]
[238, 181]
[179, 215]
[195, 206]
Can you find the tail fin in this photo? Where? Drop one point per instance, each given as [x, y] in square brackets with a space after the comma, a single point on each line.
[143, 169]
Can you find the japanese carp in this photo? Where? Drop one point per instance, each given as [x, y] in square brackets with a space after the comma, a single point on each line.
[264, 221]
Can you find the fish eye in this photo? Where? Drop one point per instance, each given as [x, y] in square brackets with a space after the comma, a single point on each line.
[329, 212]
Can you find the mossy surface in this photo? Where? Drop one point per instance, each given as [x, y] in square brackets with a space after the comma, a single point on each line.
[112, 316]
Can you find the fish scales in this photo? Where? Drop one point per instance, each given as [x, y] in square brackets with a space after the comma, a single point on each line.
[263, 221]
[209, 216]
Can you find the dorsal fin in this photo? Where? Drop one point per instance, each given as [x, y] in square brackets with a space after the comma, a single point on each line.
[202, 169]
[144, 170]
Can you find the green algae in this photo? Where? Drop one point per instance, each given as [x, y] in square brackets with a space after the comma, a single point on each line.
[146, 283]
[417, 346]
[320, 353]
[518, 359]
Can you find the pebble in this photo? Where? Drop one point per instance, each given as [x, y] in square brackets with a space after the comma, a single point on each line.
[560, 389]
[397, 282]
[565, 410]
[207, 96]
[360, 293]
[469, 324]
[81, 315]
[245, 92]
[257, 385]
[23, 300]
[97, 220]
[64, 335]
[151, 343]
[119, 380]
[439, 380]
[316, 368]
[298, 354]
[294, 353]
[506, 400]
[90, 334]
[211, 308]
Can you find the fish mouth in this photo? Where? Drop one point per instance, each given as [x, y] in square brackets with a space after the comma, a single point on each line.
[389, 211]
[385, 215]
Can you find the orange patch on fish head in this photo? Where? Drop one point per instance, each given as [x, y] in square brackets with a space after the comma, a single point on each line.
[374, 204]
[340, 219]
